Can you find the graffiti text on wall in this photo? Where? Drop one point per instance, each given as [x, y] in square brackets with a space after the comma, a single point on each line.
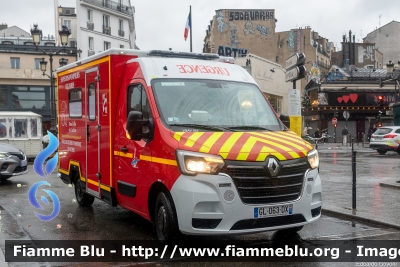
[365, 53]
[251, 15]
[263, 30]
[227, 51]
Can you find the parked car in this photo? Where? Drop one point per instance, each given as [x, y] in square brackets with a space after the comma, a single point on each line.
[386, 138]
[13, 161]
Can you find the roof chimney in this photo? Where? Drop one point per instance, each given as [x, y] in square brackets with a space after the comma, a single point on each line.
[3, 26]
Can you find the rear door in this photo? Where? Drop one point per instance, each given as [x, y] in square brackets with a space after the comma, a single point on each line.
[92, 132]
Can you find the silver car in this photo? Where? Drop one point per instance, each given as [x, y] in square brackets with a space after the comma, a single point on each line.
[386, 138]
[12, 161]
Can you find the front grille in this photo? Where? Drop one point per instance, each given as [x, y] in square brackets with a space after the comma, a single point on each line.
[4, 167]
[268, 222]
[256, 186]
[17, 154]
[20, 169]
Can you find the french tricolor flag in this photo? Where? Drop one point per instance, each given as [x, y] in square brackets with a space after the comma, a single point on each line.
[187, 27]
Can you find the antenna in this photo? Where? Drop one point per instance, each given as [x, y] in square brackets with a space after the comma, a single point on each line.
[380, 20]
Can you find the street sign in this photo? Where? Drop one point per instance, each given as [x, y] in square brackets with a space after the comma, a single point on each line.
[334, 121]
[292, 74]
[346, 115]
[295, 60]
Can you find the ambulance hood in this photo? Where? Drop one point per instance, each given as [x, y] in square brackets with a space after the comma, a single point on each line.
[246, 146]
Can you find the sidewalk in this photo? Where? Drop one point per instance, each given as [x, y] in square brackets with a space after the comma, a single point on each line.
[376, 202]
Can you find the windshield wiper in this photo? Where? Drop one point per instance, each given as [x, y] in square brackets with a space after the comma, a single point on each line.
[200, 126]
[250, 128]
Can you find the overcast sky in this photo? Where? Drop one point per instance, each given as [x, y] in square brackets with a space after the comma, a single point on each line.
[160, 23]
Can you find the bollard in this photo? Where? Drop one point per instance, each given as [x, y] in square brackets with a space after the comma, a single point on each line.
[352, 145]
[354, 180]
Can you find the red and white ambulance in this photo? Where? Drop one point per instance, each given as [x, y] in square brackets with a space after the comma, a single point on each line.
[185, 140]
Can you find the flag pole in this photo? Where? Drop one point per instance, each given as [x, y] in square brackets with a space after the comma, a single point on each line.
[191, 26]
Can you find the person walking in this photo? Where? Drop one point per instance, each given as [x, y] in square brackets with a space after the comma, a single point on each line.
[345, 133]
[316, 133]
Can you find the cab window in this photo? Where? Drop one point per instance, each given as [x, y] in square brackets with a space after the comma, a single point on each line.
[137, 100]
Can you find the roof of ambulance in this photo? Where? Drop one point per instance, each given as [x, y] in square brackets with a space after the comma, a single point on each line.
[175, 67]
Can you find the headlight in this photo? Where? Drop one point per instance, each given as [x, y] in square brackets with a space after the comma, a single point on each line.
[4, 155]
[313, 159]
[192, 163]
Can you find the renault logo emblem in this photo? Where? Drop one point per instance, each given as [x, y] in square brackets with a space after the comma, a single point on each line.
[273, 167]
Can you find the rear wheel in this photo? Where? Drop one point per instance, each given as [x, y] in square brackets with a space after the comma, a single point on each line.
[166, 221]
[398, 150]
[82, 198]
[382, 151]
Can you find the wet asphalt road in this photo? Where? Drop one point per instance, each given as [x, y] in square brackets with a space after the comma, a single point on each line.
[102, 222]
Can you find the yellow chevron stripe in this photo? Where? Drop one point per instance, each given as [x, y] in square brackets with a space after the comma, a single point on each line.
[292, 137]
[193, 138]
[229, 144]
[252, 140]
[293, 144]
[178, 136]
[205, 148]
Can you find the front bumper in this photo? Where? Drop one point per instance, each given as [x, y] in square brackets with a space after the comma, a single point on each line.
[206, 205]
[13, 166]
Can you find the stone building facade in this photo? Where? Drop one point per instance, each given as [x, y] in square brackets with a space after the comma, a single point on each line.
[236, 33]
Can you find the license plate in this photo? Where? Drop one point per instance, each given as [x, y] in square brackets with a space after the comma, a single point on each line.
[260, 212]
[22, 163]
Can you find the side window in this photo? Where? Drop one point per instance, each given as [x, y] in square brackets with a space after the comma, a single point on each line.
[92, 101]
[137, 100]
[75, 103]
[397, 131]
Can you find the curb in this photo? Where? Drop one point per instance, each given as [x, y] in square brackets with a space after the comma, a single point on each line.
[359, 218]
[396, 186]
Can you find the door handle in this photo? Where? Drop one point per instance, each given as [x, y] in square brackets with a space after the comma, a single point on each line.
[124, 149]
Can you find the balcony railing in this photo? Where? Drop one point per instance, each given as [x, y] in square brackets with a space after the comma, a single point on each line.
[90, 53]
[106, 29]
[112, 6]
[90, 25]
[321, 64]
[121, 33]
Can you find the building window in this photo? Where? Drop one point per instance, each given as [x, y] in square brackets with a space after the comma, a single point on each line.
[106, 25]
[72, 43]
[121, 25]
[28, 97]
[15, 62]
[67, 23]
[90, 43]
[107, 45]
[121, 46]
[37, 63]
[75, 103]
[89, 15]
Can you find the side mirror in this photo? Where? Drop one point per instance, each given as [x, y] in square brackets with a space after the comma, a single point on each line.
[285, 119]
[137, 127]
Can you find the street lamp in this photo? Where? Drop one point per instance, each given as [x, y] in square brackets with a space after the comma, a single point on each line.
[36, 38]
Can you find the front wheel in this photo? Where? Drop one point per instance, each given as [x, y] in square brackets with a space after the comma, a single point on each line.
[82, 198]
[381, 151]
[166, 221]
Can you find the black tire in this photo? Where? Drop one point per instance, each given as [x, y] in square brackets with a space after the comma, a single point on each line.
[381, 151]
[165, 219]
[398, 150]
[82, 198]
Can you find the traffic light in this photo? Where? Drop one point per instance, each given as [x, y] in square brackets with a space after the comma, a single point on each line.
[380, 100]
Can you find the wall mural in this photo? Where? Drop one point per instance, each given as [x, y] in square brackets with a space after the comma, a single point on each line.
[334, 75]
[251, 15]
[248, 28]
[314, 74]
[290, 40]
[234, 42]
[220, 19]
[322, 99]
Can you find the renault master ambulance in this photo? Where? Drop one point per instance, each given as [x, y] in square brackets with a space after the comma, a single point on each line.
[185, 140]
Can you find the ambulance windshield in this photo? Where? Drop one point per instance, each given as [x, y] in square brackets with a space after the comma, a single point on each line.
[211, 105]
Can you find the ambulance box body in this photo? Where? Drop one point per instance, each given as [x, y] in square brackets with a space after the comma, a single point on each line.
[187, 141]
